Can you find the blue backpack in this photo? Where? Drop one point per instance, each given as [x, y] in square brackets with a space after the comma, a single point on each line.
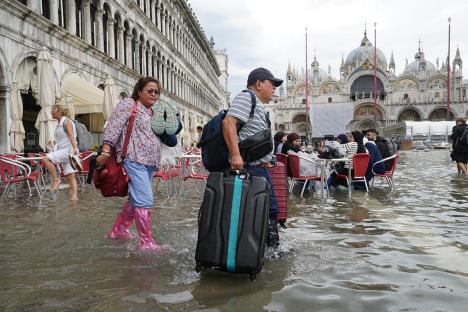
[214, 151]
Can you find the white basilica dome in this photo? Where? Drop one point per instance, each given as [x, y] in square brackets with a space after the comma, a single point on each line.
[420, 67]
[365, 52]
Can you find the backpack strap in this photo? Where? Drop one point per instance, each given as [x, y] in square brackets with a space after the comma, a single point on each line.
[65, 122]
[253, 99]
[131, 121]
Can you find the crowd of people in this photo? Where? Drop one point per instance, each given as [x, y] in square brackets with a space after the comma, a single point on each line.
[343, 146]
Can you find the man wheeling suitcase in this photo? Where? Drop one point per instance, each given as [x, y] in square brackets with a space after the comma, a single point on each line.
[256, 129]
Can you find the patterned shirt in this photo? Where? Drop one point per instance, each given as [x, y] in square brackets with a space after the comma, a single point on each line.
[240, 108]
[144, 147]
[351, 149]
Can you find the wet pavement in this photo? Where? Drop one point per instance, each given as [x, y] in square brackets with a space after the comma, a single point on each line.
[400, 251]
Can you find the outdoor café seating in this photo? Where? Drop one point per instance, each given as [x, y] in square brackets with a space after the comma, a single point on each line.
[388, 174]
[15, 173]
[360, 163]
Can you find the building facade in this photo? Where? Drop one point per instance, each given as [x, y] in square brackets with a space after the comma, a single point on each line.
[418, 93]
[90, 39]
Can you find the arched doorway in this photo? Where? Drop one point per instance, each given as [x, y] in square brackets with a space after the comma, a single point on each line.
[366, 111]
[301, 126]
[409, 114]
[440, 114]
[26, 78]
[366, 125]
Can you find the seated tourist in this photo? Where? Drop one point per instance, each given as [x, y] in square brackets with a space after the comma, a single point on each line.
[279, 139]
[375, 156]
[351, 147]
[292, 143]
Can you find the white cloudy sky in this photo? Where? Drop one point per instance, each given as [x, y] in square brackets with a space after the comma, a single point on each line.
[270, 33]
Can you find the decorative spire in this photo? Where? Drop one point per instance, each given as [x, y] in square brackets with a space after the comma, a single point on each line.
[457, 56]
[342, 66]
[289, 68]
[392, 62]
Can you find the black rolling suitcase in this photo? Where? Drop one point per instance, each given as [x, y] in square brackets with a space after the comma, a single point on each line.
[232, 223]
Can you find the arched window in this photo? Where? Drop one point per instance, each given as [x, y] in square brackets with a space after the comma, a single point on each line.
[117, 22]
[126, 35]
[133, 50]
[78, 18]
[45, 8]
[330, 100]
[62, 13]
[105, 34]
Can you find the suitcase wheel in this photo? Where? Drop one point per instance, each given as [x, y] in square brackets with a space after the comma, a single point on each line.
[198, 267]
[252, 276]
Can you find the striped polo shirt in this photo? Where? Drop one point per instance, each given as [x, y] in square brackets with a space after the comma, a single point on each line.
[240, 108]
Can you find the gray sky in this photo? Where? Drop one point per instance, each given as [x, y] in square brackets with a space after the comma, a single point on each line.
[270, 33]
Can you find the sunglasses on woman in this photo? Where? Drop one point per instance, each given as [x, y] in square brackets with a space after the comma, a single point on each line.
[153, 91]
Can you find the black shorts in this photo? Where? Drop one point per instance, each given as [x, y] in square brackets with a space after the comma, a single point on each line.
[460, 156]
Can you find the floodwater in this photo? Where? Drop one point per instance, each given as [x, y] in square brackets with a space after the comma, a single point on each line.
[403, 251]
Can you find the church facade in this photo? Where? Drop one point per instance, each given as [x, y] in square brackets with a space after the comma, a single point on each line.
[419, 93]
[93, 39]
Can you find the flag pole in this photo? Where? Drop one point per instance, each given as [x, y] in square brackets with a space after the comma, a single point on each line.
[375, 75]
[448, 72]
[307, 88]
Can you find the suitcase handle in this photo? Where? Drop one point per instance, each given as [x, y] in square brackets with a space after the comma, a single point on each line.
[242, 174]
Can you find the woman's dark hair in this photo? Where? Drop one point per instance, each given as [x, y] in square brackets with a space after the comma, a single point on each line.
[357, 135]
[141, 83]
[279, 136]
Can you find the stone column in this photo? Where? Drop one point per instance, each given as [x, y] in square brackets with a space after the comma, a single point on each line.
[71, 17]
[98, 32]
[54, 5]
[166, 23]
[150, 64]
[163, 23]
[159, 70]
[137, 55]
[171, 33]
[120, 38]
[110, 36]
[163, 75]
[33, 5]
[128, 39]
[86, 22]
[143, 60]
[157, 19]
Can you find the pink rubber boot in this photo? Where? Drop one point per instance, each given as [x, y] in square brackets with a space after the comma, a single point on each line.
[123, 222]
[143, 225]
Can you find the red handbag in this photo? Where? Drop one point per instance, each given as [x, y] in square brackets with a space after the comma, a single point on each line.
[113, 179]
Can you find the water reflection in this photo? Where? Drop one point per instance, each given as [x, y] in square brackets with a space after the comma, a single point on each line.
[399, 251]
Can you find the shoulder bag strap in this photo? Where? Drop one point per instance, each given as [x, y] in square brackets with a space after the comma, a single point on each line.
[131, 121]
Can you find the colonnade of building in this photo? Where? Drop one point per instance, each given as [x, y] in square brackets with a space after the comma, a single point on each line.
[155, 38]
